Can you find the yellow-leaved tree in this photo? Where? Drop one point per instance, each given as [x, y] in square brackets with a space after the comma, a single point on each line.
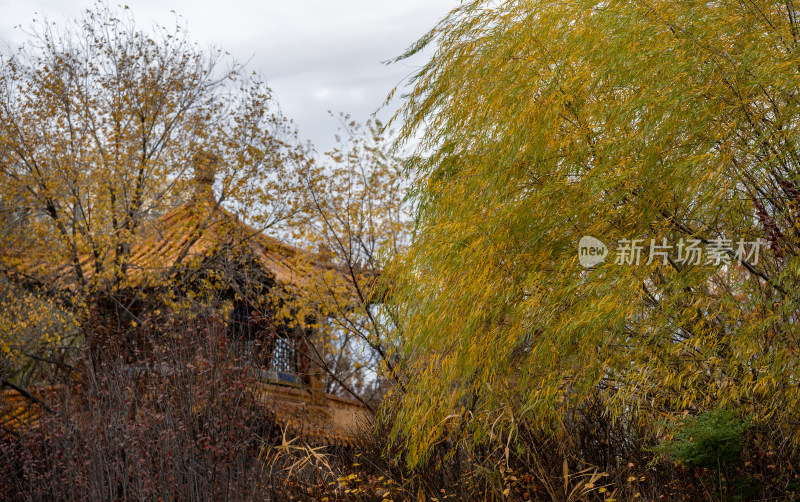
[104, 127]
[357, 217]
[665, 130]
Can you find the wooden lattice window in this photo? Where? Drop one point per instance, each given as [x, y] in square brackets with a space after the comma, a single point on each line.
[284, 360]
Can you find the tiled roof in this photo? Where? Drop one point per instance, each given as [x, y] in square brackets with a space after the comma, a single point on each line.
[193, 231]
[16, 412]
[198, 230]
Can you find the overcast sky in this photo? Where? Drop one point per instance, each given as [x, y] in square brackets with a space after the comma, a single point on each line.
[316, 55]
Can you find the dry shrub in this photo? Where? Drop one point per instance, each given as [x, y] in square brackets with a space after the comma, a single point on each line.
[183, 424]
[588, 457]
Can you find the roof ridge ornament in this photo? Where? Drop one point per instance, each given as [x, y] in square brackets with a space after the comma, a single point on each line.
[205, 165]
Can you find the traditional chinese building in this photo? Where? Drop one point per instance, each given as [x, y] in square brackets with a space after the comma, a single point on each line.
[257, 282]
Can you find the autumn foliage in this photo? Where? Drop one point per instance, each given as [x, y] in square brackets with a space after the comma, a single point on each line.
[542, 122]
[449, 293]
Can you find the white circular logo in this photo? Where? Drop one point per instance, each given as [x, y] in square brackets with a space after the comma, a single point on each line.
[591, 251]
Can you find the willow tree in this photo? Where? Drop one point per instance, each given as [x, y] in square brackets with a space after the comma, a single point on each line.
[104, 126]
[543, 122]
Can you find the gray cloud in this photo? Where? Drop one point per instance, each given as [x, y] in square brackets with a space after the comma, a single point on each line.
[316, 55]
